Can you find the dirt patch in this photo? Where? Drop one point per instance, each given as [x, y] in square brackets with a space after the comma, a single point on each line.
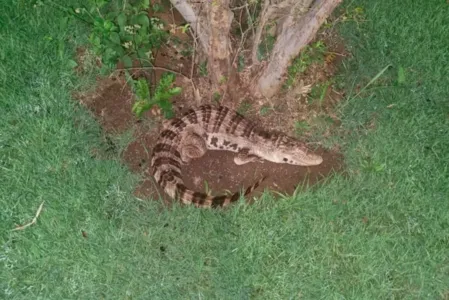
[112, 100]
[111, 103]
[217, 172]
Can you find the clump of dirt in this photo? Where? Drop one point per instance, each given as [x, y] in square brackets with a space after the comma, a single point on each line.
[112, 101]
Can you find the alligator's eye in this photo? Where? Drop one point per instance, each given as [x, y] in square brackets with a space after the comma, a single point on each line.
[285, 159]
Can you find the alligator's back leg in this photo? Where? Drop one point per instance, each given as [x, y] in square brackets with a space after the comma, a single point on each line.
[192, 146]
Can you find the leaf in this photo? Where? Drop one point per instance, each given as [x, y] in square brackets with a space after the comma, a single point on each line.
[94, 40]
[138, 40]
[110, 55]
[157, 7]
[121, 21]
[108, 25]
[167, 108]
[72, 64]
[145, 4]
[127, 61]
[138, 108]
[175, 91]
[143, 32]
[118, 49]
[115, 38]
[142, 54]
[142, 89]
[401, 75]
[185, 28]
[126, 37]
[101, 3]
[98, 22]
[142, 19]
[112, 15]
[145, 46]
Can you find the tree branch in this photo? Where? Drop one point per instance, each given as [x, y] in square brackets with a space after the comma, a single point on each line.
[189, 14]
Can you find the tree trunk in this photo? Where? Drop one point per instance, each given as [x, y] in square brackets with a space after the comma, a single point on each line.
[295, 35]
[219, 17]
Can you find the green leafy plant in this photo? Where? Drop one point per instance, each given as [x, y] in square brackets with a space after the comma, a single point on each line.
[314, 53]
[122, 34]
[122, 31]
[161, 97]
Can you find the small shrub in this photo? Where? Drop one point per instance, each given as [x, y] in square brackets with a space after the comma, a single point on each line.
[163, 93]
[122, 33]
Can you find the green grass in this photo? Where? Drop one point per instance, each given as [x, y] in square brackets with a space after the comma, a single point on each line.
[380, 233]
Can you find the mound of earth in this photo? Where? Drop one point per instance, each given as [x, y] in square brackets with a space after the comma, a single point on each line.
[112, 100]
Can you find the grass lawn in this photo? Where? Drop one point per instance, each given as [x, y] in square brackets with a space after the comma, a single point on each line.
[380, 233]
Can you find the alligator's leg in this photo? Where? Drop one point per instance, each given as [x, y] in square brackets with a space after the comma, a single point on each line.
[192, 146]
[245, 156]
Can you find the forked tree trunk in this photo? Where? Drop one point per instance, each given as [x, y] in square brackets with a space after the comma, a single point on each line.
[295, 35]
[211, 22]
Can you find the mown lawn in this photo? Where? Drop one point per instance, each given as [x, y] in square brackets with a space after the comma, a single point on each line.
[380, 233]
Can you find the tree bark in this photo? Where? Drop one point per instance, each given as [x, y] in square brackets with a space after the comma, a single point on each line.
[295, 35]
[277, 9]
[193, 18]
[219, 16]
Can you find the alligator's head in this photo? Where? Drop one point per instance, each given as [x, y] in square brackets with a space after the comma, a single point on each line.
[294, 152]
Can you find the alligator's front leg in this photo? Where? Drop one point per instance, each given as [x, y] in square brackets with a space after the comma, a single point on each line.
[245, 156]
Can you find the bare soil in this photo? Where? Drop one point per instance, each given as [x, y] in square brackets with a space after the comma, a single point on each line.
[112, 100]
